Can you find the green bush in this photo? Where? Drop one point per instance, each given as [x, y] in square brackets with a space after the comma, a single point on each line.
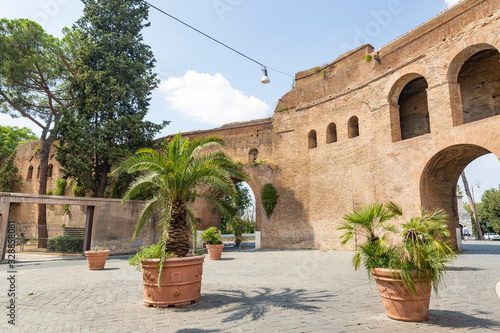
[211, 236]
[60, 186]
[65, 244]
[78, 191]
[269, 198]
[151, 252]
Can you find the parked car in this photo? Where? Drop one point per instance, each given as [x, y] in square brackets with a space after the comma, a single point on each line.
[491, 236]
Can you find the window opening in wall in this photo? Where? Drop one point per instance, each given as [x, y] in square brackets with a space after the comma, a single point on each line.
[353, 127]
[30, 172]
[479, 80]
[253, 155]
[331, 133]
[312, 141]
[49, 170]
[38, 172]
[413, 109]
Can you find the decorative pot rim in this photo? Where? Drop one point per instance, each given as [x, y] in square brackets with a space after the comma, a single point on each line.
[396, 274]
[99, 252]
[187, 258]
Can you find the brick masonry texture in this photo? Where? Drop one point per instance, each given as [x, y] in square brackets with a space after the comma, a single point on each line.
[405, 125]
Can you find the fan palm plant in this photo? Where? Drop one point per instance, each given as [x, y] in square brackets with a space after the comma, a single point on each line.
[176, 175]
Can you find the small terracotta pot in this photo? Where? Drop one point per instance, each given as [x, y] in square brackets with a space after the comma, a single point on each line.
[96, 259]
[215, 251]
[399, 303]
[180, 281]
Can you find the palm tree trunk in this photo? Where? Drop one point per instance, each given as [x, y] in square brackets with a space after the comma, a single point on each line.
[178, 235]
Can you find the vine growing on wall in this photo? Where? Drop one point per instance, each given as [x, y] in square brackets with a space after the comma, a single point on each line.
[60, 186]
[269, 198]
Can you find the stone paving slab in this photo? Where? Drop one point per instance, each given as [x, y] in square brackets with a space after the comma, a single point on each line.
[254, 291]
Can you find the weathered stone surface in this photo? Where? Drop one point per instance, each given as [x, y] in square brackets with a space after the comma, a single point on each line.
[414, 159]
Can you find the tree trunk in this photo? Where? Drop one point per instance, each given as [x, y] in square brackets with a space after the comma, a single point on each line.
[178, 236]
[472, 204]
[46, 143]
[102, 179]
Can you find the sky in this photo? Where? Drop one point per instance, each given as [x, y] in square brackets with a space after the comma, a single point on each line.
[204, 85]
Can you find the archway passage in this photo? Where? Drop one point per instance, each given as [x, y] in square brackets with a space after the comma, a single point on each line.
[479, 80]
[413, 109]
[440, 176]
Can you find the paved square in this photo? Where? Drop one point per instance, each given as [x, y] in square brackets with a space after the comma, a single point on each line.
[254, 291]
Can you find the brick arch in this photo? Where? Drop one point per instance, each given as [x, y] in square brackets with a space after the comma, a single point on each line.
[462, 52]
[441, 162]
[401, 78]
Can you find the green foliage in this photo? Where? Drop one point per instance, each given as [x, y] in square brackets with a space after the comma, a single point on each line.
[36, 150]
[50, 192]
[121, 183]
[96, 248]
[113, 83]
[8, 173]
[154, 251]
[11, 136]
[175, 176]
[489, 209]
[78, 190]
[60, 186]
[368, 58]
[211, 236]
[317, 69]
[283, 108]
[424, 248]
[65, 244]
[323, 73]
[66, 209]
[269, 198]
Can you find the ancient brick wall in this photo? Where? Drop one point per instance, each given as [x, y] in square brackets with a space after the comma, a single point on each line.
[400, 127]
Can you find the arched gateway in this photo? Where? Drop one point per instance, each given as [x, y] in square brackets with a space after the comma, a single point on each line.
[424, 109]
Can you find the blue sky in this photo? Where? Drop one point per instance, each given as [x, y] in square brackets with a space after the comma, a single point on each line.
[290, 36]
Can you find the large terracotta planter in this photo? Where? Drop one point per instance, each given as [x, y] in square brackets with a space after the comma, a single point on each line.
[399, 303]
[180, 281]
[96, 259]
[215, 251]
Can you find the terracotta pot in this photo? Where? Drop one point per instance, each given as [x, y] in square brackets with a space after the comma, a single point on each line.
[180, 281]
[96, 259]
[399, 303]
[215, 251]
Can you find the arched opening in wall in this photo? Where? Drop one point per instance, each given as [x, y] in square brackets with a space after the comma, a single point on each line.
[30, 172]
[49, 170]
[253, 155]
[413, 109]
[483, 180]
[479, 81]
[312, 140]
[438, 182]
[331, 133]
[38, 172]
[353, 127]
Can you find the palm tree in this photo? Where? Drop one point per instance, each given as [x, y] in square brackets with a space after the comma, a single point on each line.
[176, 175]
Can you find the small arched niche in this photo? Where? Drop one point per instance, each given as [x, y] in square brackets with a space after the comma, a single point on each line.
[353, 127]
[312, 140]
[253, 155]
[49, 170]
[331, 133]
[30, 172]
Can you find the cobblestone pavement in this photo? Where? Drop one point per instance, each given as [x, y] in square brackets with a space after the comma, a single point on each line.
[254, 291]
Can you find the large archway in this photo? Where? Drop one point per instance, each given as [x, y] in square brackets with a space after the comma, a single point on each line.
[440, 176]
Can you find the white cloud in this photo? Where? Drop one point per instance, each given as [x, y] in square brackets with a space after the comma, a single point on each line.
[211, 99]
[450, 3]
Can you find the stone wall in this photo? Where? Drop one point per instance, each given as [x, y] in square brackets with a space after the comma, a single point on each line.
[400, 127]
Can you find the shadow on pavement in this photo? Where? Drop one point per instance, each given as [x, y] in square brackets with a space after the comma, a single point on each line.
[255, 304]
[462, 269]
[454, 319]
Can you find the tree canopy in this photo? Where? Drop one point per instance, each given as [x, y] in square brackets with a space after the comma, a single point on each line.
[113, 82]
[11, 136]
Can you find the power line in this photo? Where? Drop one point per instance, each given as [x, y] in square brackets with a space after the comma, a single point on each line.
[215, 40]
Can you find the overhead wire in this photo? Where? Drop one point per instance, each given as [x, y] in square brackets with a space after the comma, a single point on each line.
[215, 40]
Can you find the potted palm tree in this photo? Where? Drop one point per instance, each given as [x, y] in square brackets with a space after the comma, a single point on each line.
[96, 258]
[405, 272]
[175, 176]
[213, 241]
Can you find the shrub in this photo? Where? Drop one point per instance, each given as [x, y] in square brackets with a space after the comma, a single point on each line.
[269, 198]
[151, 252]
[78, 191]
[60, 186]
[211, 236]
[65, 244]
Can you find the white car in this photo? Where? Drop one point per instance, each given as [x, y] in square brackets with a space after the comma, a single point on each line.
[491, 236]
